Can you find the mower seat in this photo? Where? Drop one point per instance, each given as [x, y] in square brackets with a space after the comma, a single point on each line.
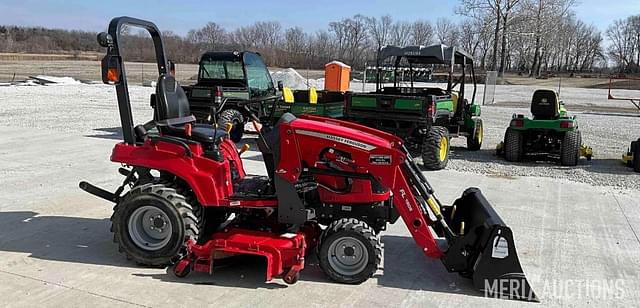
[173, 113]
[545, 105]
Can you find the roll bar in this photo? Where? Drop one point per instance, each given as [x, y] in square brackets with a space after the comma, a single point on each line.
[113, 70]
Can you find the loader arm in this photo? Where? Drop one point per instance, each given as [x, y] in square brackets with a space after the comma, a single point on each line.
[414, 214]
[481, 247]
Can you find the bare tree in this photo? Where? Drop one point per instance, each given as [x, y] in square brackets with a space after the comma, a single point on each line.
[421, 33]
[379, 30]
[211, 36]
[625, 43]
[401, 33]
[295, 43]
[446, 31]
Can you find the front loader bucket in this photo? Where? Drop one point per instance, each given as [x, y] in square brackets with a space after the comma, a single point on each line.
[484, 250]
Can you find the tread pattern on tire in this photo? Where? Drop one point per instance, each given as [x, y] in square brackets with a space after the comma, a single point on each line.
[570, 148]
[185, 210]
[513, 145]
[360, 227]
[636, 157]
[231, 116]
[431, 148]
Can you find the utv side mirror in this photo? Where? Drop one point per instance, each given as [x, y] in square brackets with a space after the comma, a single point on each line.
[280, 85]
[111, 69]
[105, 39]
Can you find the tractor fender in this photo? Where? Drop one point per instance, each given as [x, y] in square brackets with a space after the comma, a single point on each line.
[209, 187]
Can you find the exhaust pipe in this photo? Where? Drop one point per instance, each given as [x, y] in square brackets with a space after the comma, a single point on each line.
[485, 250]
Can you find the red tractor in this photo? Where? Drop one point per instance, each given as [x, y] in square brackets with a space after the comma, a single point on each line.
[333, 185]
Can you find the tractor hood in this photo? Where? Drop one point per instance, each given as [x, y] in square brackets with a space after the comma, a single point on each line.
[342, 134]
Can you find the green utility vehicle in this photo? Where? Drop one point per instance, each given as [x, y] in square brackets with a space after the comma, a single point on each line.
[240, 76]
[425, 117]
[551, 131]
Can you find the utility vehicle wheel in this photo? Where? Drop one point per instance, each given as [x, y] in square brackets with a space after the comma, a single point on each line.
[636, 158]
[435, 148]
[474, 141]
[513, 145]
[349, 251]
[570, 148]
[234, 117]
[152, 223]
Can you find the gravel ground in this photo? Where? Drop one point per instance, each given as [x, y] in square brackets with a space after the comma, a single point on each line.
[608, 135]
[91, 110]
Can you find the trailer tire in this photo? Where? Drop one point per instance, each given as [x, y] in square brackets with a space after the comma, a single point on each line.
[513, 145]
[474, 140]
[236, 119]
[570, 148]
[436, 148]
[349, 251]
[167, 211]
[636, 157]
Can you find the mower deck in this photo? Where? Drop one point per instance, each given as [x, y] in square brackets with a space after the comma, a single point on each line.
[284, 252]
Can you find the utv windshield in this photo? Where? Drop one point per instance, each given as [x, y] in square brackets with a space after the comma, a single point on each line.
[221, 69]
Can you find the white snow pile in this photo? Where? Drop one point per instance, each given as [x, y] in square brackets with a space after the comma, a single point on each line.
[58, 80]
[47, 80]
[292, 79]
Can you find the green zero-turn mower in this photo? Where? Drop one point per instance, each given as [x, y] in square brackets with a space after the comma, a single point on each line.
[551, 131]
[632, 158]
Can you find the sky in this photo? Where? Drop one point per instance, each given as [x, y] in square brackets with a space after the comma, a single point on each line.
[181, 16]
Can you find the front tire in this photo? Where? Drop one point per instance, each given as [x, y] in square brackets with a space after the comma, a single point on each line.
[436, 148]
[349, 251]
[152, 224]
[570, 148]
[234, 117]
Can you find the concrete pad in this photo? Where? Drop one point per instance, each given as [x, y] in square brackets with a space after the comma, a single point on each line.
[56, 248]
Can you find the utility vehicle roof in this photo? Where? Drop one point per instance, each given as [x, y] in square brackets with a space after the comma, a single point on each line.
[224, 55]
[435, 54]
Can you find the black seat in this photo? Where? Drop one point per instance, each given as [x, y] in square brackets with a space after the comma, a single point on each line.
[173, 112]
[545, 105]
[269, 145]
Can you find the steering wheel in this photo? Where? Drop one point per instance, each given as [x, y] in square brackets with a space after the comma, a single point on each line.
[246, 103]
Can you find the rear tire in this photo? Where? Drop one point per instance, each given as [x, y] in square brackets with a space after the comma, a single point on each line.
[513, 145]
[474, 141]
[152, 224]
[435, 148]
[349, 251]
[570, 148]
[236, 119]
[636, 157]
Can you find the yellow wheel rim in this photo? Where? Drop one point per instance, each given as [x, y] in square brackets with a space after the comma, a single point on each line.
[480, 134]
[444, 144]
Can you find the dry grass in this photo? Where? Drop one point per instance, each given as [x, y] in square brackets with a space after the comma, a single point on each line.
[84, 70]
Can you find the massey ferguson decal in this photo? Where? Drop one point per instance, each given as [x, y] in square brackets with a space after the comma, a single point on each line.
[380, 159]
[350, 142]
